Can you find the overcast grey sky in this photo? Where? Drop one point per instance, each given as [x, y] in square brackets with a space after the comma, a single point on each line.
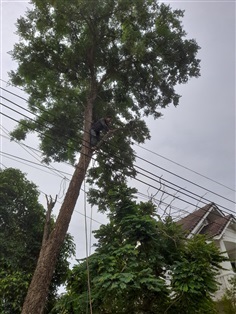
[199, 134]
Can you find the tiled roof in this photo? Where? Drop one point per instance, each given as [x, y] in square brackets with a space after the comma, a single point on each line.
[189, 222]
[216, 227]
[212, 226]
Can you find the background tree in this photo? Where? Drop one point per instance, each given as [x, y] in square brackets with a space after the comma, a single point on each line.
[81, 60]
[194, 277]
[22, 220]
[129, 268]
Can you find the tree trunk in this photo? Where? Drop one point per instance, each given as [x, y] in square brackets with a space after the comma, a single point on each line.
[38, 290]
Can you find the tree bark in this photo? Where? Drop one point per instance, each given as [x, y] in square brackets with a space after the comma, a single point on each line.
[38, 290]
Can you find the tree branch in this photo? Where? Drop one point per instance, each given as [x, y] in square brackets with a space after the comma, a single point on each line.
[47, 225]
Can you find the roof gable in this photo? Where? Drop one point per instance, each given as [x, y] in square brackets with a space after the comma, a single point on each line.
[189, 222]
[215, 228]
[207, 220]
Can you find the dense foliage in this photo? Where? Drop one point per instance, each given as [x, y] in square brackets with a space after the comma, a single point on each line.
[22, 220]
[131, 267]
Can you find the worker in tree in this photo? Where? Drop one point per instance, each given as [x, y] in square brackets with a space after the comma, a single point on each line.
[101, 125]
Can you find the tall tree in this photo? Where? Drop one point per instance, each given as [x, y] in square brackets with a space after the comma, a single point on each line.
[22, 220]
[128, 271]
[81, 60]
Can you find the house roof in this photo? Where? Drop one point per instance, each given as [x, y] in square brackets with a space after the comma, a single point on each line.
[189, 222]
[216, 227]
[207, 220]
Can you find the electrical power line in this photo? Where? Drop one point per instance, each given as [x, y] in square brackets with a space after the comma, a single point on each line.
[142, 194]
[144, 149]
[23, 160]
[160, 201]
[137, 171]
[33, 149]
[184, 167]
[134, 164]
[165, 192]
[180, 177]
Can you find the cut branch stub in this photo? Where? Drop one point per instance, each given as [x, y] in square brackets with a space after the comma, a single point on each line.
[47, 226]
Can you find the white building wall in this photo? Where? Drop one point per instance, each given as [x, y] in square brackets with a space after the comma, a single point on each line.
[225, 274]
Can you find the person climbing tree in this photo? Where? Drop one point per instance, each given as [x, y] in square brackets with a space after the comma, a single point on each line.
[101, 125]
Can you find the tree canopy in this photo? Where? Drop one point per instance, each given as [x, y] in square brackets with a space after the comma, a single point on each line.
[136, 254]
[118, 57]
[127, 56]
[22, 220]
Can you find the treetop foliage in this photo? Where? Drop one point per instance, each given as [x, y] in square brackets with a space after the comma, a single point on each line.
[126, 57]
[81, 60]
